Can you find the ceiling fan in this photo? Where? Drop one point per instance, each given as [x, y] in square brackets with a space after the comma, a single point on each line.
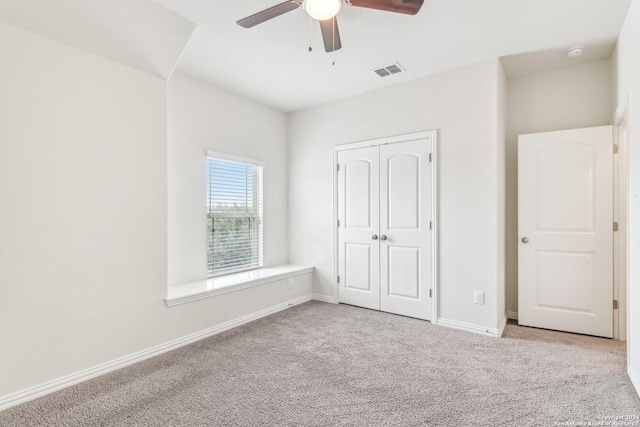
[325, 12]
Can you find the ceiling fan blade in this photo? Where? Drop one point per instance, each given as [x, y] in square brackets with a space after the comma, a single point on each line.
[330, 34]
[409, 7]
[265, 15]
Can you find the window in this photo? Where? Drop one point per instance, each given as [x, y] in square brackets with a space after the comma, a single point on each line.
[234, 214]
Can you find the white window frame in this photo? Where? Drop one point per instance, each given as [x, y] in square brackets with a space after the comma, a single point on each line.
[258, 202]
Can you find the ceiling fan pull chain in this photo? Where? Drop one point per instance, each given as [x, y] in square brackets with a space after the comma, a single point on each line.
[333, 39]
[310, 22]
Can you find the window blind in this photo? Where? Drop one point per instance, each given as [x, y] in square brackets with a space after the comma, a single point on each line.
[234, 216]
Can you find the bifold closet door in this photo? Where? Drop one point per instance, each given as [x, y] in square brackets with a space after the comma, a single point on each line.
[384, 233]
[405, 215]
[358, 240]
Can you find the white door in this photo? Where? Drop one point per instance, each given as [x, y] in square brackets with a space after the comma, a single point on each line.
[358, 213]
[565, 226]
[384, 235]
[405, 235]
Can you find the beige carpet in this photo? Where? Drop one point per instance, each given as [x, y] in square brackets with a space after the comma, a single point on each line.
[333, 365]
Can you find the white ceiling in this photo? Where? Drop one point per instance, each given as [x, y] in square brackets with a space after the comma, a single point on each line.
[522, 64]
[139, 33]
[270, 63]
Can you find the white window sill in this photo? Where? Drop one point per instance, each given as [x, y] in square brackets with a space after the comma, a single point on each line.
[187, 292]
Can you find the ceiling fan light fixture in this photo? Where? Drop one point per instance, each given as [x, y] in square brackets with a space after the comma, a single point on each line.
[322, 9]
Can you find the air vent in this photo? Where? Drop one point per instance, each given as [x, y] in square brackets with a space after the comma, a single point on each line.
[394, 68]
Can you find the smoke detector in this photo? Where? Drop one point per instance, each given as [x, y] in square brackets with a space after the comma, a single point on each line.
[574, 52]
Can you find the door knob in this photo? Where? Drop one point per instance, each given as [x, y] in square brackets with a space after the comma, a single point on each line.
[525, 240]
[374, 237]
[383, 237]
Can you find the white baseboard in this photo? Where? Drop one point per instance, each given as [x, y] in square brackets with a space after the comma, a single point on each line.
[469, 327]
[84, 375]
[635, 379]
[324, 298]
[512, 315]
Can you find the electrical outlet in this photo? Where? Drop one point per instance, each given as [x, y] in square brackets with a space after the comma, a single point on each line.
[478, 297]
[290, 283]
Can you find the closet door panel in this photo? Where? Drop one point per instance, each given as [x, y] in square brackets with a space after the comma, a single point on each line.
[405, 214]
[358, 213]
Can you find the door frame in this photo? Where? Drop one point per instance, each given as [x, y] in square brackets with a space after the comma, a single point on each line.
[621, 213]
[432, 135]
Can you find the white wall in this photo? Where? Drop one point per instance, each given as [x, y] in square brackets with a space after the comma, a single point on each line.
[202, 117]
[461, 104]
[83, 223]
[568, 98]
[627, 93]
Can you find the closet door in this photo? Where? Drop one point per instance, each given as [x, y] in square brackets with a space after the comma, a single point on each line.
[358, 213]
[405, 235]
